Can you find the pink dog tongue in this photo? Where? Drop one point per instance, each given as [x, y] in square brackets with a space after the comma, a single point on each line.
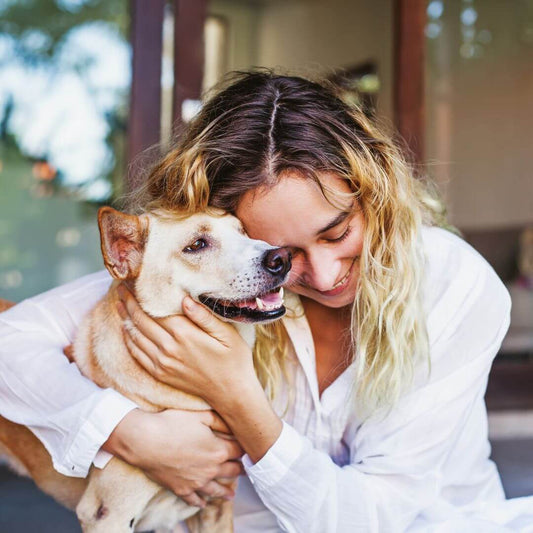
[272, 298]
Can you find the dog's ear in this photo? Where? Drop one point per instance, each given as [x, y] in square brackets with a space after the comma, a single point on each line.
[122, 238]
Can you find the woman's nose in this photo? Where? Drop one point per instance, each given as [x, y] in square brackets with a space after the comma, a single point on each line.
[317, 271]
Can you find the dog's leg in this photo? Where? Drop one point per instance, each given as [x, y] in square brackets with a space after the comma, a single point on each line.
[121, 499]
[115, 498]
[217, 517]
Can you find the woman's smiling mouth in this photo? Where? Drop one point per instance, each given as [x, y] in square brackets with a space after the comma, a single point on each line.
[342, 283]
[336, 289]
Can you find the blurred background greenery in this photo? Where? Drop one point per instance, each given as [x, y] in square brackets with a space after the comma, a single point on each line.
[64, 90]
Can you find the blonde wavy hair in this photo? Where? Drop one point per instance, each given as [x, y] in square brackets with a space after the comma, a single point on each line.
[260, 125]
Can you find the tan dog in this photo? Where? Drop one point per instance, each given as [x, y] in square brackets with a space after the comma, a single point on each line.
[162, 258]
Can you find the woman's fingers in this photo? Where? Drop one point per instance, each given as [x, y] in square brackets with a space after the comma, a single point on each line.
[144, 323]
[145, 360]
[232, 448]
[205, 319]
[164, 332]
[194, 499]
[214, 489]
[215, 422]
[230, 469]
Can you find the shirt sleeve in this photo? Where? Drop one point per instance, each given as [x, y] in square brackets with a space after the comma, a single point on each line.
[39, 388]
[402, 463]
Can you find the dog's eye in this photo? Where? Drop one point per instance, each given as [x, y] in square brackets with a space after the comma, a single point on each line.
[195, 246]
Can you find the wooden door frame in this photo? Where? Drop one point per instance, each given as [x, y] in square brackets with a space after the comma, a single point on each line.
[144, 128]
[409, 74]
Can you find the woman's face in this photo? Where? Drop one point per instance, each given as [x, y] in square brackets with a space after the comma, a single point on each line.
[326, 240]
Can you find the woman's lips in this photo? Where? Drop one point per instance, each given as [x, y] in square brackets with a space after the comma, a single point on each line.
[342, 284]
[339, 286]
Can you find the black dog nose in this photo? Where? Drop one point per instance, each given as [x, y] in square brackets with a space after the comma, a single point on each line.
[277, 261]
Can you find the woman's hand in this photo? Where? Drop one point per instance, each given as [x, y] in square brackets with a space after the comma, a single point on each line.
[199, 354]
[179, 450]
[196, 353]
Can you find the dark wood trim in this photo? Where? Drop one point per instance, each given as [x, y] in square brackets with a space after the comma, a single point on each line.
[189, 21]
[145, 104]
[409, 52]
[510, 386]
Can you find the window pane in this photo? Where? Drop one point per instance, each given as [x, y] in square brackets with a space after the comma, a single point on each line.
[479, 87]
[64, 86]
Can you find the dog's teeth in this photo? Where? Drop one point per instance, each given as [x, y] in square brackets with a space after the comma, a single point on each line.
[260, 304]
[281, 293]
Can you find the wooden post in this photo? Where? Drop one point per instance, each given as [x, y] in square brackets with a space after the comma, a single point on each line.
[189, 20]
[409, 67]
[145, 104]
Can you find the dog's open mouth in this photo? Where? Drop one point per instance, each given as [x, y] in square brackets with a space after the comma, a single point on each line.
[268, 306]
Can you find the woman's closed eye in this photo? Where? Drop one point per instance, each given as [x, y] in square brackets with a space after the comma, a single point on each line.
[341, 237]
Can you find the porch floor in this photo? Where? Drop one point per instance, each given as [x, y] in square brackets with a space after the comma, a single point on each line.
[23, 508]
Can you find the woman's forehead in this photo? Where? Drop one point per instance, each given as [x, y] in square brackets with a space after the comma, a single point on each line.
[294, 205]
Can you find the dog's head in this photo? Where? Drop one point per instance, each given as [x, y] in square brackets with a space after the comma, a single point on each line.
[165, 257]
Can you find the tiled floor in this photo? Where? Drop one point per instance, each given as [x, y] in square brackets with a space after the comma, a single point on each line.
[23, 509]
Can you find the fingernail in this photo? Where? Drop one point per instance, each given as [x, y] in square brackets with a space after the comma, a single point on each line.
[188, 303]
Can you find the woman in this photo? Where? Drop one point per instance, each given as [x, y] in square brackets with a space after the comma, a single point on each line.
[373, 417]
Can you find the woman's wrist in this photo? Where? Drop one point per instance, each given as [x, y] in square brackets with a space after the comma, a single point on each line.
[228, 389]
[251, 419]
[121, 442]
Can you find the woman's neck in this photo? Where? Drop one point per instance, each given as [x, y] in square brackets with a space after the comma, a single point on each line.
[331, 336]
[326, 322]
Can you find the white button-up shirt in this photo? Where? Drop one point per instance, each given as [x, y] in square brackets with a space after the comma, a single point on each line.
[422, 467]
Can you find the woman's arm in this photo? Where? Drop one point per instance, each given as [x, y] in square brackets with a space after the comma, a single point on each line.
[39, 388]
[404, 466]
[424, 466]
[74, 418]
[180, 450]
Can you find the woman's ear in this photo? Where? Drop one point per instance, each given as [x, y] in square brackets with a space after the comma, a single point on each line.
[122, 238]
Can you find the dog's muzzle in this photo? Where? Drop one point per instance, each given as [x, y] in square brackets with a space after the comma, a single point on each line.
[262, 307]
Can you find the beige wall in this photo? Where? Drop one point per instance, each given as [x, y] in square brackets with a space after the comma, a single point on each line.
[242, 22]
[318, 36]
[310, 36]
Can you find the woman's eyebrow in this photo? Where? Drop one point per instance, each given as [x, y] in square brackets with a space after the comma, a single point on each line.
[337, 220]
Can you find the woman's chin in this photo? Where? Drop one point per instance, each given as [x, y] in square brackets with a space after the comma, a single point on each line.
[335, 301]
